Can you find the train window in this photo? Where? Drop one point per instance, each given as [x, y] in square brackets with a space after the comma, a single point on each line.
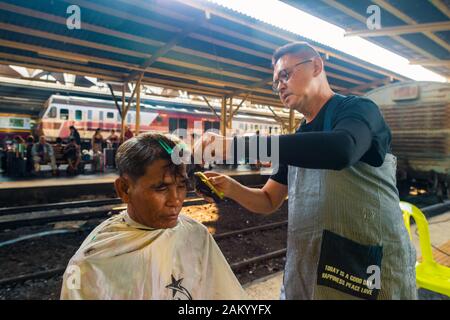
[78, 115]
[100, 116]
[159, 119]
[211, 125]
[207, 125]
[110, 115]
[270, 130]
[52, 113]
[182, 123]
[89, 114]
[16, 123]
[64, 114]
[129, 118]
[172, 124]
[175, 124]
[241, 126]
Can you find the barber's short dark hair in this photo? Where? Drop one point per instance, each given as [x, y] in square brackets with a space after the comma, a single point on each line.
[136, 154]
[301, 47]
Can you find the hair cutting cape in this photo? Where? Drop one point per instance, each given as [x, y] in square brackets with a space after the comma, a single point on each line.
[122, 259]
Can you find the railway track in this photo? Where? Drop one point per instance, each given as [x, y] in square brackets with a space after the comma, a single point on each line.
[43, 215]
[16, 217]
[236, 266]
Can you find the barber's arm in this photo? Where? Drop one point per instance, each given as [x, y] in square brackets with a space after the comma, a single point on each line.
[265, 200]
[336, 150]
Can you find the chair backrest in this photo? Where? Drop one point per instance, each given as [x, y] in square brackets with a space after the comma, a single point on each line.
[422, 228]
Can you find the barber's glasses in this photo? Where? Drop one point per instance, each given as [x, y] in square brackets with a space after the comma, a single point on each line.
[285, 74]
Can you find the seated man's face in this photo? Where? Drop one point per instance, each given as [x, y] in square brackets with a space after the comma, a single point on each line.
[156, 199]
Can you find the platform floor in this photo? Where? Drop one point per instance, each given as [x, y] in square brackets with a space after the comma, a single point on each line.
[269, 288]
[84, 179]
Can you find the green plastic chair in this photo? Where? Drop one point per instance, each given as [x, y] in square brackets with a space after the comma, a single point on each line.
[430, 275]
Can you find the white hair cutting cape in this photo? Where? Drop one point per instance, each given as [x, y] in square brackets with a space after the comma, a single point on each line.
[122, 259]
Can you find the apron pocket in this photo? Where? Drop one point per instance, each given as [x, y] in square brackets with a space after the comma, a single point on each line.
[346, 265]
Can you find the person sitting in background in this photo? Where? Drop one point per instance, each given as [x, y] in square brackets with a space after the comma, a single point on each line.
[20, 147]
[58, 150]
[97, 149]
[149, 251]
[42, 153]
[73, 156]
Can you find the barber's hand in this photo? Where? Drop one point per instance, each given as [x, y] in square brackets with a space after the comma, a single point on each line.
[222, 183]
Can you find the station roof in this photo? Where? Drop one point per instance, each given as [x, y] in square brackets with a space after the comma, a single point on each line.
[417, 30]
[185, 44]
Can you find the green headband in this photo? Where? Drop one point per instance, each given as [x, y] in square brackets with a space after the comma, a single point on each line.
[168, 149]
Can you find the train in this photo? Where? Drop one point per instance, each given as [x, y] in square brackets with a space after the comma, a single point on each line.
[12, 124]
[418, 114]
[87, 114]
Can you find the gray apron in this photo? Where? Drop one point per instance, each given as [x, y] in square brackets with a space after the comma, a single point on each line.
[343, 225]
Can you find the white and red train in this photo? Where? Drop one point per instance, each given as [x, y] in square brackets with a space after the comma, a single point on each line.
[86, 114]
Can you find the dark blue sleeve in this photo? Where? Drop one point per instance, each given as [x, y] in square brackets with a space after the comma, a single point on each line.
[358, 133]
[281, 174]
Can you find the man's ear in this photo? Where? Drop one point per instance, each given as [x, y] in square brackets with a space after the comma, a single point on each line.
[318, 66]
[122, 187]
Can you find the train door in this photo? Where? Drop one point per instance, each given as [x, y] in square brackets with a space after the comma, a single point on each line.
[63, 127]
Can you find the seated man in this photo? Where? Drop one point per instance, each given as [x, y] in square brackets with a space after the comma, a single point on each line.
[72, 155]
[42, 153]
[149, 251]
[58, 151]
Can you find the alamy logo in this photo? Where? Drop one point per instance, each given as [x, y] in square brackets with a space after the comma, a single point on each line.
[374, 281]
[74, 20]
[373, 22]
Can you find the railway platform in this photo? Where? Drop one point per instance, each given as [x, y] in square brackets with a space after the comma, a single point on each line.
[88, 187]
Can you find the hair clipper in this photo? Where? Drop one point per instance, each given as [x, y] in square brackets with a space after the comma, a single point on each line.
[205, 187]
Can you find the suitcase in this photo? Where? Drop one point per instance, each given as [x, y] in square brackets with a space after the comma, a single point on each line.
[108, 155]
